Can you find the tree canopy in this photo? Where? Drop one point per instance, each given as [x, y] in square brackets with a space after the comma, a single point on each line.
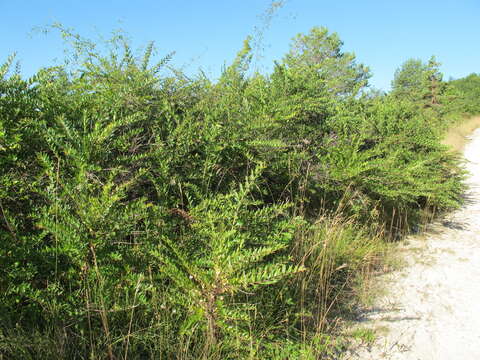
[321, 52]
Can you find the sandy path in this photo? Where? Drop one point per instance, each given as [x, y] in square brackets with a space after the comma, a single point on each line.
[432, 307]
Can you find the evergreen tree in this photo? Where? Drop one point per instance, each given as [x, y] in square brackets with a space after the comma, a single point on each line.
[419, 82]
[321, 52]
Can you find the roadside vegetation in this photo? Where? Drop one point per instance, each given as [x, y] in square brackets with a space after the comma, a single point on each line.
[145, 214]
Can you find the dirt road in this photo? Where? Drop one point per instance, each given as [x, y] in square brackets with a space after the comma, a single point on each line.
[431, 310]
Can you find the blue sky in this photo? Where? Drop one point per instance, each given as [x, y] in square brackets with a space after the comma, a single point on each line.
[207, 34]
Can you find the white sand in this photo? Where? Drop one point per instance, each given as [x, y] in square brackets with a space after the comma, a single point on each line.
[431, 310]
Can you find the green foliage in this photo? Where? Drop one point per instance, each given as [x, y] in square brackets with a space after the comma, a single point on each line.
[410, 79]
[144, 214]
[224, 255]
[422, 84]
[320, 52]
[469, 93]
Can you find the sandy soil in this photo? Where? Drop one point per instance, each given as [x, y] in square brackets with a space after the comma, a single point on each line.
[431, 310]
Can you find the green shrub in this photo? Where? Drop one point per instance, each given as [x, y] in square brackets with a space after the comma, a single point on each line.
[147, 215]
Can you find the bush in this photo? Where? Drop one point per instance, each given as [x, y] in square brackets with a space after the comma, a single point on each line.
[148, 215]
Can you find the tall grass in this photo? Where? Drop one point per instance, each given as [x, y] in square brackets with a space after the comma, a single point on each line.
[456, 136]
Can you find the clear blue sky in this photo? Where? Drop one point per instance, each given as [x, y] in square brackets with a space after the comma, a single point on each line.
[207, 33]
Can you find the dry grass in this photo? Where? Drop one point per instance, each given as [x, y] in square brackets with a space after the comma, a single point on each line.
[456, 136]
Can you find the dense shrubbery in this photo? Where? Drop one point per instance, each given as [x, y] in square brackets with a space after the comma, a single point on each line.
[469, 93]
[146, 215]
